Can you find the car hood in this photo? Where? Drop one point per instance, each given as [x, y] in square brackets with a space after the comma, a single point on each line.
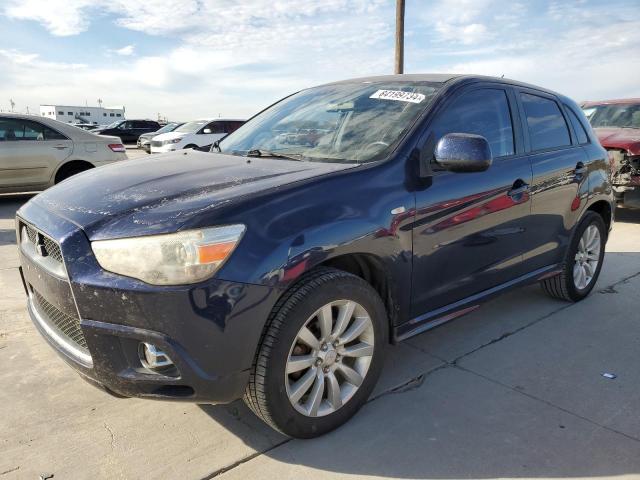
[624, 138]
[171, 135]
[168, 192]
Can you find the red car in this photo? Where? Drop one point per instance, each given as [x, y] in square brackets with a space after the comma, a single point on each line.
[617, 125]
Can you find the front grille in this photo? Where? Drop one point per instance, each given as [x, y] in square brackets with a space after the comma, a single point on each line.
[49, 248]
[156, 143]
[52, 249]
[65, 324]
[32, 234]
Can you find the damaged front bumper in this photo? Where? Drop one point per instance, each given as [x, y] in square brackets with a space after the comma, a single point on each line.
[625, 177]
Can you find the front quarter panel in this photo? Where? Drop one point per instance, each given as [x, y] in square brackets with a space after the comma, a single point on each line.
[290, 232]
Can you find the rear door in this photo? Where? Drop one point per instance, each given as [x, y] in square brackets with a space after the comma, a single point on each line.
[559, 176]
[30, 152]
[469, 229]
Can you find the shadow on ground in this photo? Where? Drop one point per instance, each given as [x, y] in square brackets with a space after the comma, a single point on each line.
[457, 422]
[11, 202]
[627, 215]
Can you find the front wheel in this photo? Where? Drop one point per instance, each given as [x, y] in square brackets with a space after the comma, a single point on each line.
[320, 356]
[582, 263]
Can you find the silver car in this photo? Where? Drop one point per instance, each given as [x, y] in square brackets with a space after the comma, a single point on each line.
[37, 152]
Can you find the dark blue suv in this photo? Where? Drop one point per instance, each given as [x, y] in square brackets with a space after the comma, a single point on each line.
[341, 218]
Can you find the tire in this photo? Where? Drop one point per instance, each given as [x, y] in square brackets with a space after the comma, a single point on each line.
[70, 172]
[564, 286]
[270, 391]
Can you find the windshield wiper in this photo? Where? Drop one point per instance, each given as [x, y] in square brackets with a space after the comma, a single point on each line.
[266, 153]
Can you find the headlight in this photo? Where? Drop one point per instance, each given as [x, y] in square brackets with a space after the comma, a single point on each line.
[173, 259]
[173, 140]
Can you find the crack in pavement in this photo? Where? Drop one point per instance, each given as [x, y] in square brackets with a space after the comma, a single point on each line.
[246, 459]
[113, 437]
[10, 470]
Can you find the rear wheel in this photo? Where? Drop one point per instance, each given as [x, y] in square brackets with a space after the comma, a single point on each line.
[320, 355]
[70, 171]
[582, 263]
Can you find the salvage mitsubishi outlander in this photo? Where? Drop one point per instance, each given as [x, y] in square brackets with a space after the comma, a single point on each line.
[344, 217]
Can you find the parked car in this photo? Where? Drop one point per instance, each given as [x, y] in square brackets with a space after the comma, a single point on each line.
[617, 125]
[37, 152]
[129, 130]
[277, 271]
[196, 134]
[144, 141]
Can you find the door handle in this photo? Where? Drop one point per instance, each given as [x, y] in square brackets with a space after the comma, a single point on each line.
[60, 147]
[519, 187]
[580, 168]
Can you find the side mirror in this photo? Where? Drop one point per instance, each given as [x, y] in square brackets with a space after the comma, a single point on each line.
[206, 131]
[463, 152]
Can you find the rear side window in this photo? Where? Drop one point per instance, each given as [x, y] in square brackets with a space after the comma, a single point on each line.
[547, 127]
[581, 134]
[231, 127]
[216, 127]
[21, 130]
[482, 112]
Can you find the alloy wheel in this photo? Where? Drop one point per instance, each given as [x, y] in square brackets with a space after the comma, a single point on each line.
[587, 257]
[329, 358]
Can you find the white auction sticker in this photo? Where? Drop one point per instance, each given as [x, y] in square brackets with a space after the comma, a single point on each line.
[399, 95]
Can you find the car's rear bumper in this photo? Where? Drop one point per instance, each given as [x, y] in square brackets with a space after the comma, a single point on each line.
[210, 331]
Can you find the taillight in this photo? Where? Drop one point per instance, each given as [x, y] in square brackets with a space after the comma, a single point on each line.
[117, 147]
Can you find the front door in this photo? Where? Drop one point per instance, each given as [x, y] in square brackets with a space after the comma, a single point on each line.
[30, 152]
[469, 229]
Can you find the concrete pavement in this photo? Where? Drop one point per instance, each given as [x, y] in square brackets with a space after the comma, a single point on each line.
[513, 390]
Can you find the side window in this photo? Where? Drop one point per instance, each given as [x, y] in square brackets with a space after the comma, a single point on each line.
[547, 127]
[18, 130]
[481, 112]
[232, 126]
[8, 129]
[581, 134]
[216, 127]
[136, 124]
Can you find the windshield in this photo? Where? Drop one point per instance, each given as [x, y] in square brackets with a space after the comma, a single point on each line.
[169, 127]
[192, 127]
[114, 124]
[614, 115]
[352, 122]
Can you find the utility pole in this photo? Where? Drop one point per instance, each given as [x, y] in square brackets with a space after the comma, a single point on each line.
[12, 103]
[399, 36]
[100, 102]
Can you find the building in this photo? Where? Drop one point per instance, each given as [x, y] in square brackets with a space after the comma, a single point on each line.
[92, 115]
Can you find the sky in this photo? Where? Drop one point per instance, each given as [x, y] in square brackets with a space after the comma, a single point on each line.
[186, 59]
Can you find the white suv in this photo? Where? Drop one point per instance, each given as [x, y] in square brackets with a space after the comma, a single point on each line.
[198, 133]
[37, 152]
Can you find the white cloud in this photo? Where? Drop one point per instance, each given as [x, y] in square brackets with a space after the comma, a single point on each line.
[229, 57]
[125, 51]
[581, 62]
[234, 58]
[60, 17]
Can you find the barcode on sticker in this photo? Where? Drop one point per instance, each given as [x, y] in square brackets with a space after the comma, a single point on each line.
[399, 95]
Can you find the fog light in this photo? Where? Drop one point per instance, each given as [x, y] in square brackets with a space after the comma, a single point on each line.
[152, 357]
